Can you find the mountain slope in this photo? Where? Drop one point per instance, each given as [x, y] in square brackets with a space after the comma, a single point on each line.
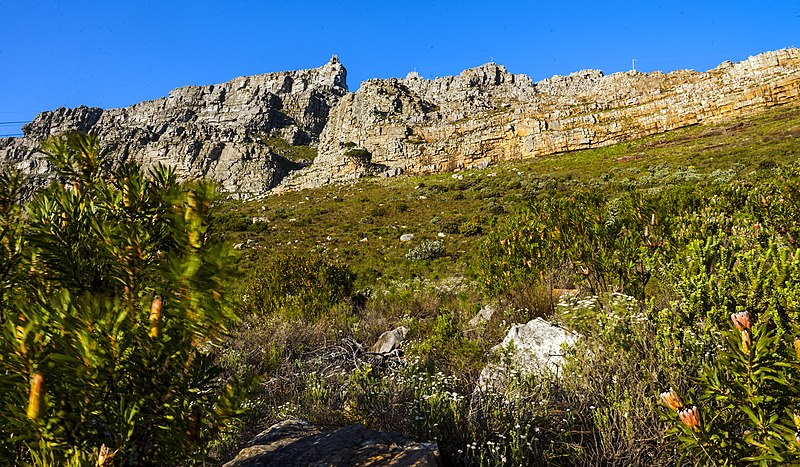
[258, 134]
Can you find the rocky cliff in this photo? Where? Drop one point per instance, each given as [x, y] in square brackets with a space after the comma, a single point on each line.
[487, 114]
[238, 132]
[233, 132]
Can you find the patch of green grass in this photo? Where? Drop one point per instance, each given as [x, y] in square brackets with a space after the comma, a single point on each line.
[291, 152]
[328, 220]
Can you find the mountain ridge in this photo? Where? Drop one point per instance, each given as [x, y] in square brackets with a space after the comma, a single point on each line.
[238, 132]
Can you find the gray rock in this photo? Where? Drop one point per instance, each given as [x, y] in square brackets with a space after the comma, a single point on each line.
[406, 237]
[482, 317]
[225, 132]
[389, 341]
[535, 347]
[298, 443]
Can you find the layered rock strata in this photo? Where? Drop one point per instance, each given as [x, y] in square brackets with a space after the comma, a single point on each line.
[487, 114]
[222, 131]
[238, 132]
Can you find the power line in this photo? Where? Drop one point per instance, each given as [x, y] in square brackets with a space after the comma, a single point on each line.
[11, 135]
[15, 123]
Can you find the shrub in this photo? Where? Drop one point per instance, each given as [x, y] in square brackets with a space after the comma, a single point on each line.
[627, 352]
[427, 250]
[747, 407]
[107, 315]
[297, 287]
[359, 155]
[231, 222]
[470, 228]
[378, 211]
[450, 226]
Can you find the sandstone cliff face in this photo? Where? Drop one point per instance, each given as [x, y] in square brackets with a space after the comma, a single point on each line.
[227, 131]
[487, 114]
[218, 131]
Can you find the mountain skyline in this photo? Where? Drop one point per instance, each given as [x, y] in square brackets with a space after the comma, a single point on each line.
[66, 54]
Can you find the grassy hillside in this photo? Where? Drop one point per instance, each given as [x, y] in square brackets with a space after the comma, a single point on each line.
[661, 240]
[361, 224]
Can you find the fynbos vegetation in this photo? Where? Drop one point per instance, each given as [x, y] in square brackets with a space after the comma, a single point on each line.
[110, 305]
[131, 335]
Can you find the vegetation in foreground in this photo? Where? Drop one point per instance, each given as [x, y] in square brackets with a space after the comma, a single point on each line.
[660, 240]
[110, 304]
[679, 253]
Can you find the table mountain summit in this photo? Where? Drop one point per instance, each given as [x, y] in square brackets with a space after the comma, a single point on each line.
[247, 133]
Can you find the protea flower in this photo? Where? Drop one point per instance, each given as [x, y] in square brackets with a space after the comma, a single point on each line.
[155, 316]
[36, 397]
[671, 399]
[105, 456]
[741, 320]
[690, 417]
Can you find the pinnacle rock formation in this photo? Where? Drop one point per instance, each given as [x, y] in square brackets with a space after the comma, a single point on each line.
[227, 132]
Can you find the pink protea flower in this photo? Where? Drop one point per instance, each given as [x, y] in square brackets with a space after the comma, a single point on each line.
[741, 320]
[36, 396]
[671, 399]
[690, 417]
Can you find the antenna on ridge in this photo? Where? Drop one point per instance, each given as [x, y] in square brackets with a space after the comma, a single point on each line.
[633, 64]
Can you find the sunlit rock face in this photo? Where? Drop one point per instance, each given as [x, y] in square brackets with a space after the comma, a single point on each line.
[227, 132]
[487, 114]
[217, 131]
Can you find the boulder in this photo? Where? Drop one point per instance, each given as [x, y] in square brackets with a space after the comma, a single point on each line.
[482, 317]
[537, 346]
[299, 443]
[389, 341]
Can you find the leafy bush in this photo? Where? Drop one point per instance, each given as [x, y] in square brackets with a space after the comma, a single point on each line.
[426, 250]
[111, 300]
[298, 287]
[470, 228]
[747, 409]
[359, 155]
[450, 226]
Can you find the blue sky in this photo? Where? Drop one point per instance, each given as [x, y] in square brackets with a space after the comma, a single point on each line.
[115, 53]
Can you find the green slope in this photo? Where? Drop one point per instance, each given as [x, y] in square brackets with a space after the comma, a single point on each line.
[361, 224]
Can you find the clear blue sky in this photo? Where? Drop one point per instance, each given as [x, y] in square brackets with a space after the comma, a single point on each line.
[116, 53]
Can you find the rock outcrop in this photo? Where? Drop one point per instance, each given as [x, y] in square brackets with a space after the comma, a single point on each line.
[534, 347]
[389, 341]
[230, 132]
[238, 132]
[487, 114]
[298, 443]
